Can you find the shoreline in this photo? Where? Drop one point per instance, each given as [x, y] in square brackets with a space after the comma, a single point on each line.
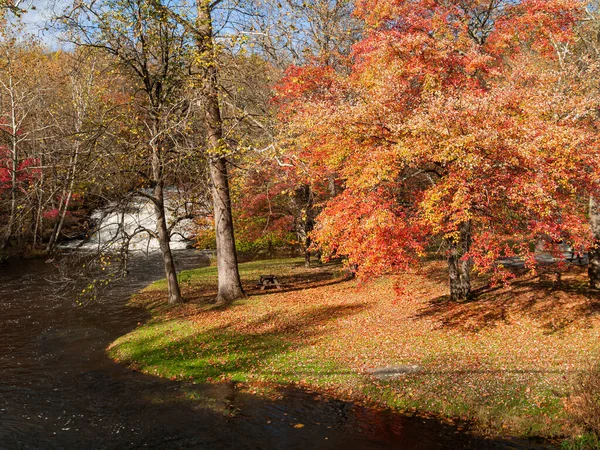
[329, 334]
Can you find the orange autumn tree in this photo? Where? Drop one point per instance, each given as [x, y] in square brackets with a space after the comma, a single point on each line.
[453, 127]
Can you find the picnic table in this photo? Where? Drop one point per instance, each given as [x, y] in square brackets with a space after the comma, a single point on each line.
[267, 281]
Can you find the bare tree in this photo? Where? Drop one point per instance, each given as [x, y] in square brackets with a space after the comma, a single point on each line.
[153, 49]
[21, 91]
[295, 31]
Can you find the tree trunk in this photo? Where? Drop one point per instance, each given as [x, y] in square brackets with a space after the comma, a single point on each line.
[40, 210]
[14, 158]
[459, 267]
[230, 286]
[63, 209]
[306, 223]
[307, 252]
[165, 247]
[163, 234]
[594, 251]
[13, 196]
[67, 194]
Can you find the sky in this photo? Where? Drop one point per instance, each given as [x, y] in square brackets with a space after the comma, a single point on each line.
[37, 20]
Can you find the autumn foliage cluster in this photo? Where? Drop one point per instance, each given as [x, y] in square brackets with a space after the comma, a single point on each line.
[462, 126]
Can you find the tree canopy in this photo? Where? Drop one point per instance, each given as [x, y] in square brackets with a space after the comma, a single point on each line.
[457, 125]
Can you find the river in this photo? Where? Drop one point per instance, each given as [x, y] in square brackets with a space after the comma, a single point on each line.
[59, 390]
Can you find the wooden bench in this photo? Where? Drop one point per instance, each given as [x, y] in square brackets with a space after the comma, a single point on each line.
[268, 281]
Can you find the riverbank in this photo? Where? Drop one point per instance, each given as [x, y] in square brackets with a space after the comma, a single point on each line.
[506, 361]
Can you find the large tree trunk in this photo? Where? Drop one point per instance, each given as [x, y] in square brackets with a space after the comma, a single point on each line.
[165, 247]
[163, 234]
[459, 267]
[594, 251]
[307, 252]
[230, 286]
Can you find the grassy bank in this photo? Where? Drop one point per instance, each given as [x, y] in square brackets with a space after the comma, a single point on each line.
[506, 360]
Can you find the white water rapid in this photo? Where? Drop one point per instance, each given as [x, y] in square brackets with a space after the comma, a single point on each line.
[117, 224]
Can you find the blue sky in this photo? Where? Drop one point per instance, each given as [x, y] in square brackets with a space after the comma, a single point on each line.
[37, 19]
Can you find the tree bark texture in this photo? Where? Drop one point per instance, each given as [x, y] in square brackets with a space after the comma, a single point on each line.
[459, 267]
[165, 249]
[230, 286]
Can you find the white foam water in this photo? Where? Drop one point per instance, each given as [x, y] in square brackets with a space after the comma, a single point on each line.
[118, 224]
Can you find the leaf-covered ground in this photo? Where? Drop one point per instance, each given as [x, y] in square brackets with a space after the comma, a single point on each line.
[506, 359]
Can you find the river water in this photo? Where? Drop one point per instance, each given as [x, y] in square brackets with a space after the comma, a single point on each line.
[59, 390]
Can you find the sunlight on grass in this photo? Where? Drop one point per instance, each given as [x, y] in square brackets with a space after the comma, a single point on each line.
[506, 361]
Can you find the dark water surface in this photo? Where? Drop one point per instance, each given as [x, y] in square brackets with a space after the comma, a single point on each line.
[58, 389]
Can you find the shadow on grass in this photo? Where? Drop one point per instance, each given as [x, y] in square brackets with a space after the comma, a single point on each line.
[556, 299]
[293, 283]
[324, 275]
[227, 351]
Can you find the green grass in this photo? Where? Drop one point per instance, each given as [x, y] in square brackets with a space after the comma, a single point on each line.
[178, 348]
[501, 361]
[586, 441]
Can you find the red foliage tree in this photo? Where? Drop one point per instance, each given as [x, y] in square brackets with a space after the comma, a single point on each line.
[278, 201]
[454, 126]
[25, 171]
